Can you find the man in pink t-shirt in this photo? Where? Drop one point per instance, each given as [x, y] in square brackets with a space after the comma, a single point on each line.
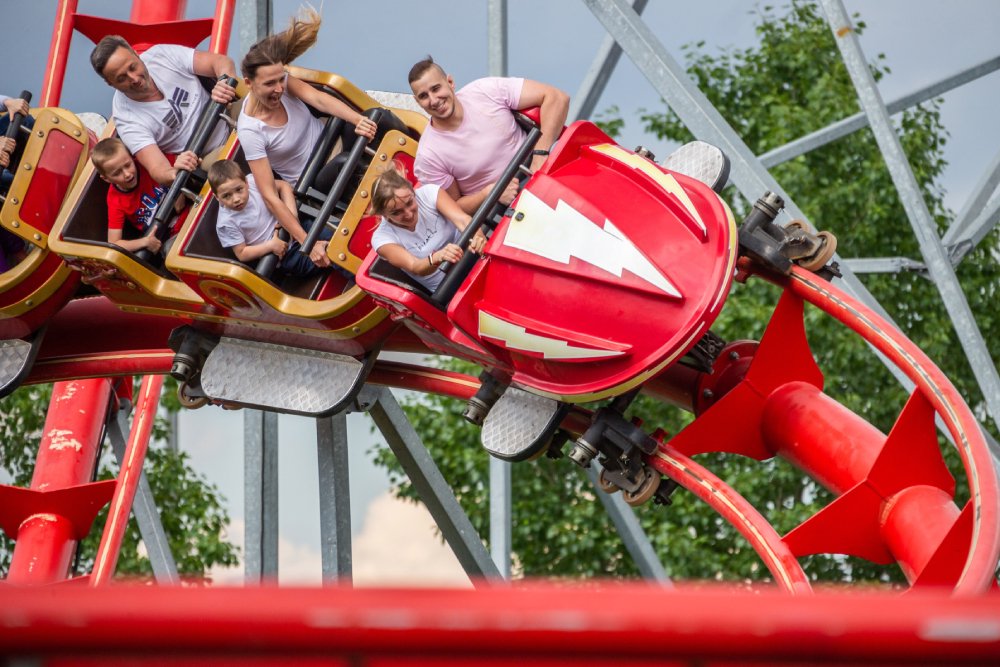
[473, 135]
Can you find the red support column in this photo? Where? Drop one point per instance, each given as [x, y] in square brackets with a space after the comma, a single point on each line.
[55, 69]
[66, 459]
[157, 11]
[222, 27]
[128, 481]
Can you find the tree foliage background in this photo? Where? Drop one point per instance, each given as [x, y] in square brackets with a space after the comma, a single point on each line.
[192, 510]
[791, 83]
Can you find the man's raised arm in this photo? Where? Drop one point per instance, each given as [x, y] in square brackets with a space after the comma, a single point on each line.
[214, 65]
[554, 106]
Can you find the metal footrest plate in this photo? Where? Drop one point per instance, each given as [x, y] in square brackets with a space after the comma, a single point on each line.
[520, 425]
[283, 379]
[16, 359]
[702, 161]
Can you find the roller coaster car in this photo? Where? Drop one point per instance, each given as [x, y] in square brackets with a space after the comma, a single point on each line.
[205, 282]
[327, 313]
[54, 154]
[606, 269]
[238, 313]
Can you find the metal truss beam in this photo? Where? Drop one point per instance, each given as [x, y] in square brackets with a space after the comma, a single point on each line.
[846, 126]
[430, 485]
[883, 265]
[977, 217]
[501, 515]
[254, 19]
[154, 537]
[592, 87]
[334, 498]
[937, 261]
[260, 489]
[977, 230]
[496, 18]
[500, 471]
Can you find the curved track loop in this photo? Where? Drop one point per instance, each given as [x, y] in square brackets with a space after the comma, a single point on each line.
[734, 508]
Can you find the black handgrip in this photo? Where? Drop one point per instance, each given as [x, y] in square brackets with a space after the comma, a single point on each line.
[196, 144]
[331, 131]
[339, 185]
[15, 122]
[269, 262]
[456, 274]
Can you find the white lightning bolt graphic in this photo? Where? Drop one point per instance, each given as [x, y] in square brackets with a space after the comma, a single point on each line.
[564, 232]
[516, 337]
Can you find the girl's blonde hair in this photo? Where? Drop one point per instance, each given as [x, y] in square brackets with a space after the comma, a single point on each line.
[284, 47]
[384, 189]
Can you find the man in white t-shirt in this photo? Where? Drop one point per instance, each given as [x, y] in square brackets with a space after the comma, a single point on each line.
[158, 98]
[473, 135]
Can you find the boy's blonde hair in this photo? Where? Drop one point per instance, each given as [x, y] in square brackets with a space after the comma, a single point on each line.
[223, 171]
[104, 150]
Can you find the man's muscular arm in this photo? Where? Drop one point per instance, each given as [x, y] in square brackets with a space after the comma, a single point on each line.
[554, 106]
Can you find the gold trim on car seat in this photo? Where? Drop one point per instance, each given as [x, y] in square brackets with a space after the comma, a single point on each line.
[114, 263]
[355, 96]
[47, 289]
[47, 120]
[338, 250]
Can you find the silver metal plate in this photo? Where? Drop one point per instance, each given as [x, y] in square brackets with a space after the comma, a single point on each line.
[280, 378]
[519, 424]
[702, 161]
[397, 101]
[14, 355]
[94, 122]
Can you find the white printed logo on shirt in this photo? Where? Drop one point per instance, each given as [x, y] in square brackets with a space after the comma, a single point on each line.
[178, 101]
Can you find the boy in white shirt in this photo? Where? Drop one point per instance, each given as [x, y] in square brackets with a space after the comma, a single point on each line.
[247, 226]
[244, 223]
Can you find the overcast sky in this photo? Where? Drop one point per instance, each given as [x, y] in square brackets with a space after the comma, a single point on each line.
[552, 41]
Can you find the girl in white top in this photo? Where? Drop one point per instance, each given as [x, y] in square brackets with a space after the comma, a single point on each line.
[276, 129]
[419, 228]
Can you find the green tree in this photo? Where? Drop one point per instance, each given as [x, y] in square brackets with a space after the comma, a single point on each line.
[791, 83]
[191, 509]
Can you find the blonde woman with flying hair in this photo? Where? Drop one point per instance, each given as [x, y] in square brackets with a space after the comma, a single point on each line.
[276, 129]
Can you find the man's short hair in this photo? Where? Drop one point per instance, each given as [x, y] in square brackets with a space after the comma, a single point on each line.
[104, 150]
[105, 48]
[223, 171]
[422, 67]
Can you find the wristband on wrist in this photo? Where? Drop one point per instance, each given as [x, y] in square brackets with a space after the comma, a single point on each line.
[430, 259]
[539, 151]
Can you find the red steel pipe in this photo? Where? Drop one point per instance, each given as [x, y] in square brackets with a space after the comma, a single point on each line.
[128, 480]
[222, 26]
[819, 435]
[914, 523]
[529, 624]
[55, 68]
[157, 11]
[978, 573]
[837, 448]
[66, 458]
